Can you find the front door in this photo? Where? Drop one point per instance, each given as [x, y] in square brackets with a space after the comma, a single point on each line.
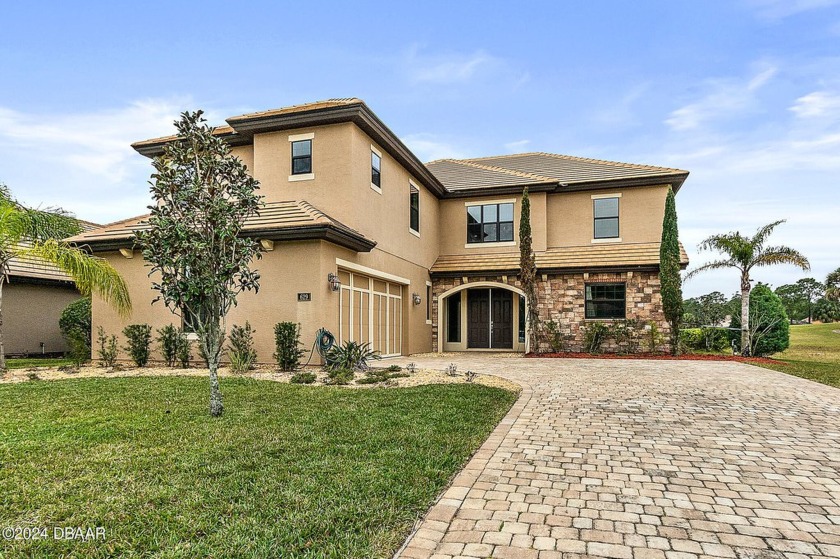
[489, 319]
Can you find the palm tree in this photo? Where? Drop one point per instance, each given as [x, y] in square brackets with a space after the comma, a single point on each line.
[746, 253]
[832, 285]
[38, 234]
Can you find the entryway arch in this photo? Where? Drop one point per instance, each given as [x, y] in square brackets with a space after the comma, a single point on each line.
[478, 308]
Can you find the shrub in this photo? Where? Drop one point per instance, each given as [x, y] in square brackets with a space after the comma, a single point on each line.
[340, 376]
[107, 351]
[183, 350]
[624, 333]
[827, 311]
[553, 336]
[375, 376]
[704, 339]
[76, 316]
[287, 345]
[394, 369]
[352, 355]
[79, 345]
[167, 339]
[654, 338]
[139, 338]
[241, 350]
[303, 378]
[593, 337]
[769, 324]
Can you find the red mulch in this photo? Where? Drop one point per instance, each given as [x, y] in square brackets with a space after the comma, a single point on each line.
[659, 356]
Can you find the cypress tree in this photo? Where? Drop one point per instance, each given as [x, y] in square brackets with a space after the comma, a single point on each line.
[528, 271]
[669, 271]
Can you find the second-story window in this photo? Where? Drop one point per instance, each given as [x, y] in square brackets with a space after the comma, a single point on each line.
[375, 170]
[301, 157]
[606, 218]
[414, 209]
[490, 223]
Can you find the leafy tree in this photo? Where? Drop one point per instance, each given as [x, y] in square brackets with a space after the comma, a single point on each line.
[203, 196]
[669, 271]
[38, 233]
[744, 254]
[528, 272]
[76, 317]
[832, 285]
[811, 290]
[793, 300]
[826, 310]
[769, 324]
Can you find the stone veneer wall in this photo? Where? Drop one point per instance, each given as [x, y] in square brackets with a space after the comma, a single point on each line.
[561, 299]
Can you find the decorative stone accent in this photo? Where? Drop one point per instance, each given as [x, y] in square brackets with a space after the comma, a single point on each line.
[561, 298]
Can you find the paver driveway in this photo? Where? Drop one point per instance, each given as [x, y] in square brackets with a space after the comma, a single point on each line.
[645, 459]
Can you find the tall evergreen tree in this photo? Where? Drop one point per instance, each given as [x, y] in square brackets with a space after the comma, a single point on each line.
[528, 272]
[669, 271]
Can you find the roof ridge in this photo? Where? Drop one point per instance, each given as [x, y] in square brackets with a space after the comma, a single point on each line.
[512, 172]
[609, 161]
[333, 101]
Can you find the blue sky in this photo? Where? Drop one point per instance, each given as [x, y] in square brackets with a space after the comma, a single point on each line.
[744, 94]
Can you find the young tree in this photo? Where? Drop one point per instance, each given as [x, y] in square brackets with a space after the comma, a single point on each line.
[793, 300]
[832, 285]
[38, 233]
[669, 271]
[744, 254]
[528, 273]
[811, 291]
[203, 196]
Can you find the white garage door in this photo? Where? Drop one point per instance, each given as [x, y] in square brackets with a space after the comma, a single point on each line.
[370, 311]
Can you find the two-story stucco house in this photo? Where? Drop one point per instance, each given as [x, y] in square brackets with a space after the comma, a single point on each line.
[363, 239]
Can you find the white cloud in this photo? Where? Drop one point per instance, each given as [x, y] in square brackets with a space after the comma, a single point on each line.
[819, 104]
[83, 161]
[517, 146]
[780, 9]
[427, 147]
[453, 68]
[724, 98]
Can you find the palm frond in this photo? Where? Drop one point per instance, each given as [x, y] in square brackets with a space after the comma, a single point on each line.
[716, 265]
[41, 225]
[763, 232]
[92, 274]
[782, 255]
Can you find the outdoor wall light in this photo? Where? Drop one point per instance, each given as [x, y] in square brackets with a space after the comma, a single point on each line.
[335, 283]
[416, 298]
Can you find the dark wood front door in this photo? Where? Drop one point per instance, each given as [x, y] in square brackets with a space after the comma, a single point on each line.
[478, 318]
[489, 319]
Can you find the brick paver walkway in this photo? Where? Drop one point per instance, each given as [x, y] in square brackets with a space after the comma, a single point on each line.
[645, 459]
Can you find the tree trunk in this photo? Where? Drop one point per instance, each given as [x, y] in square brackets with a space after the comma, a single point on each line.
[212, 346]
[675, 338]
[745, 315]
[2, 349]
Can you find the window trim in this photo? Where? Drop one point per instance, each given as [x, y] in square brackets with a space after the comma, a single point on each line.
[612, 238]
[300, 157]
[498, 223]
[373, 185]
[587, 301]
[412, 191]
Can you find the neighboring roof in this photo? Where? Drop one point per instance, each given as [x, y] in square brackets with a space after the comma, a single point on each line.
[549, 170]
[30, 267]
[290, 220]
[588, 257]
[241, 130]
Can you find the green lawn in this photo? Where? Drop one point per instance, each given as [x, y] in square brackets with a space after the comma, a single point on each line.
[814, 353]
[27, 362]
[288, 471]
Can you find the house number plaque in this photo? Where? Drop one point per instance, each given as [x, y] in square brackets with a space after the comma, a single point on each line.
[304, 297]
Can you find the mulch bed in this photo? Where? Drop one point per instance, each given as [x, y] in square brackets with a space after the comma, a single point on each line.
[659, 356]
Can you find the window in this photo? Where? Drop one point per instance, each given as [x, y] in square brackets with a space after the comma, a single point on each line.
[414, 209]
[453, 318]
[521, 320]
[428, 303]
[302, 157]
[605, 300]
[490, 223]
[189, 324]
[375, 170]
[606, 218]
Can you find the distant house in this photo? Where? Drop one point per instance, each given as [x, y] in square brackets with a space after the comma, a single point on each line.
[364, 239]
[34, 295]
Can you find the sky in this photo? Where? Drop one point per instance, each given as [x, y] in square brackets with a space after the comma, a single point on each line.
[744, 94]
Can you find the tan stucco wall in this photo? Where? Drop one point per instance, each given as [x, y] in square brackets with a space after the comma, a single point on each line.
[30, 316]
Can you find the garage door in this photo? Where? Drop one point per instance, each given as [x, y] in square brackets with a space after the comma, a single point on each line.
[370, 311]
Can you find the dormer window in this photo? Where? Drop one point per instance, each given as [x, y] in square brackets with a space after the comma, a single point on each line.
[490, 223]
[302, 157]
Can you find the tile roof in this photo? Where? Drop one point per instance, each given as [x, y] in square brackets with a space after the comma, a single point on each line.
[607, 255]
[31, 267]
[540, 168]
[302, 108]
[288, 215]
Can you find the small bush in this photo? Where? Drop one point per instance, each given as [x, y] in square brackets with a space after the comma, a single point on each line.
[594, 336]
[167, 339]
[704, 339]
[107, 351]
[553, 336]
[241, 350]
[287, 345]
[394, 369]
[352, 355]
[375, 376]
[79, 343]
[303, 378]
[183, 350]
[624, 334]
[340, 376]
[139, 338]
[654, 338]
[76, 316]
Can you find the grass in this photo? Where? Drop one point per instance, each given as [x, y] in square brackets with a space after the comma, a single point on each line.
[288, 471]
[814, 354]
[27, 362]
